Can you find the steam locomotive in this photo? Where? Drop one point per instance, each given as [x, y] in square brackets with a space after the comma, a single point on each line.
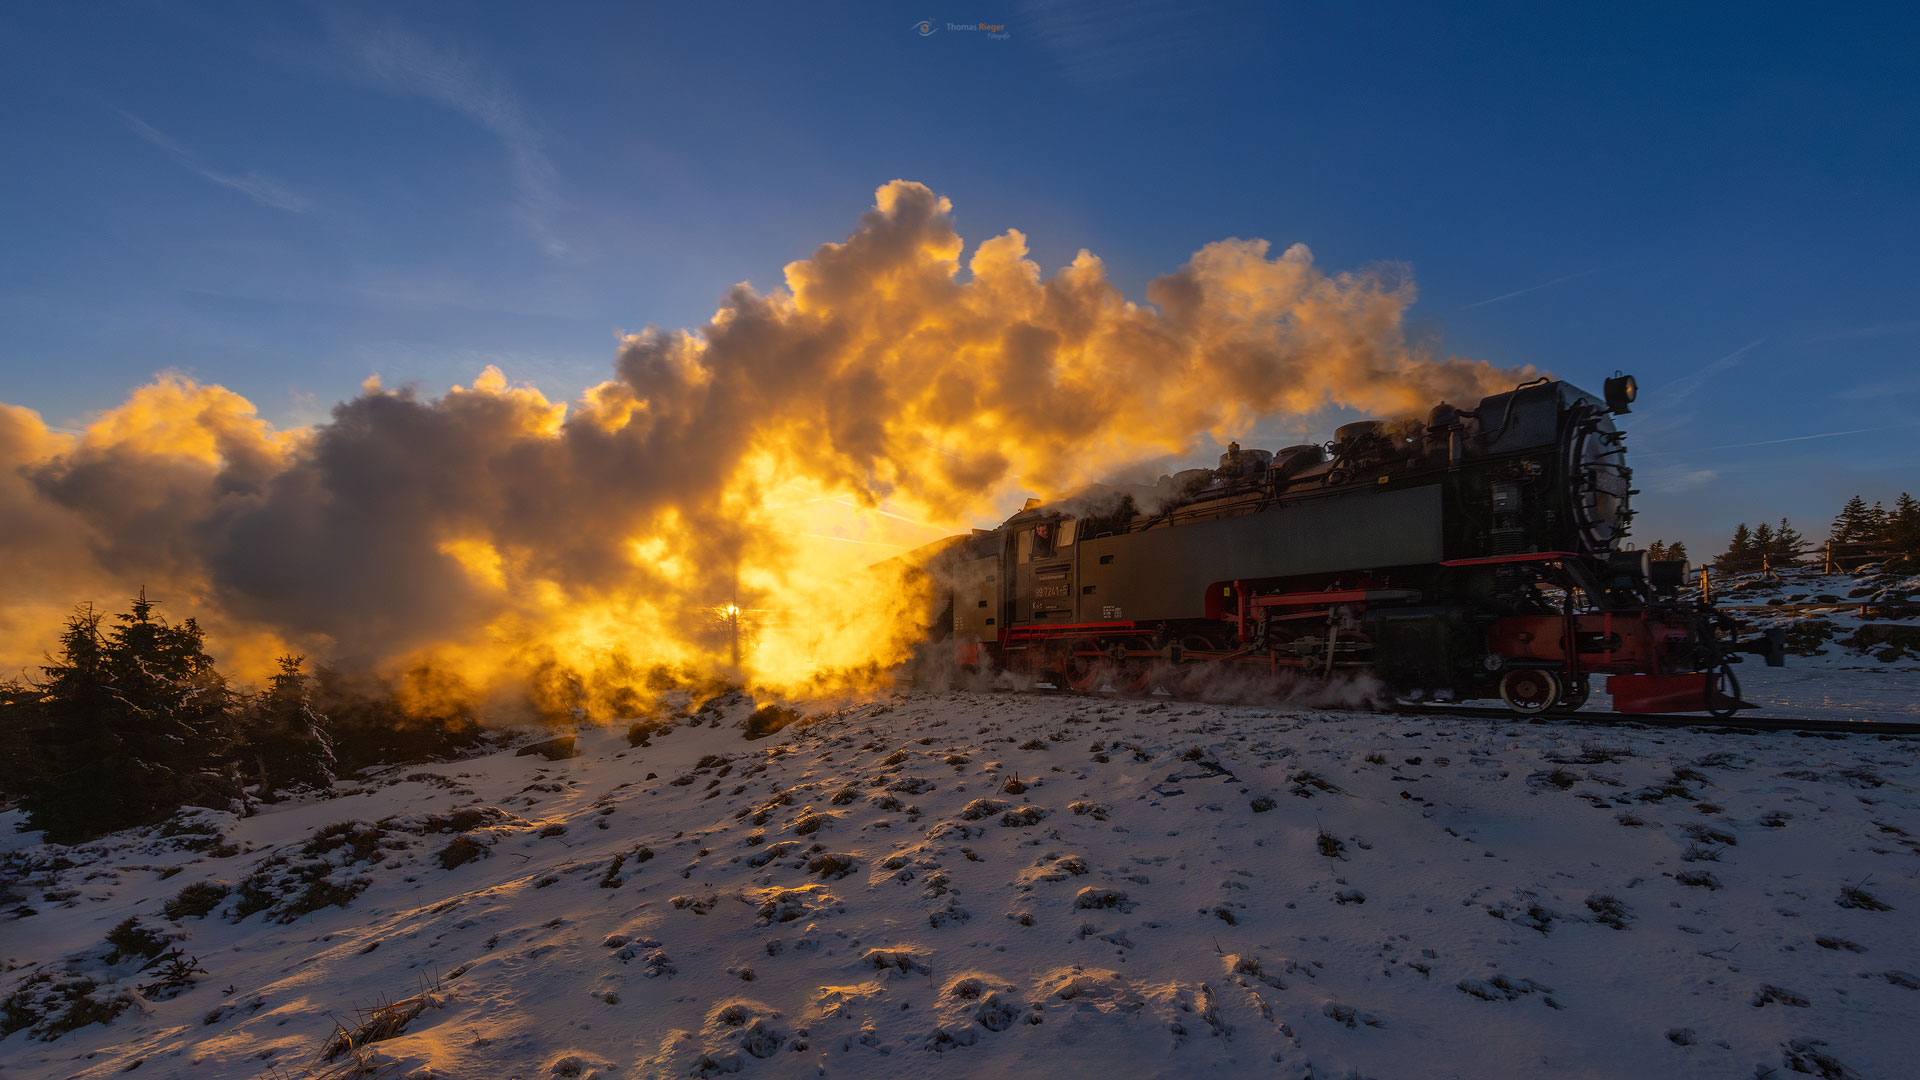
[1477, 554]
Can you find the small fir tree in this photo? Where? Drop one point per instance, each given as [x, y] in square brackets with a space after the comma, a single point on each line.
[1903, 526]
[284, 741]
[1662, 551]
[1741, 553]
[1854, 524]
[1788, 545]
[19, 724]
[69, 787]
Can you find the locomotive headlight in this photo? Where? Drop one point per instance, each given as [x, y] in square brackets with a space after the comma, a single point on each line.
[1620, 391]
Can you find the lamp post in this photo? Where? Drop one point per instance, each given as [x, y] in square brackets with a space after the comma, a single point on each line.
[733, 631]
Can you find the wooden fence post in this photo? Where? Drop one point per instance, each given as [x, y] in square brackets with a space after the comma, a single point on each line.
[1706, 587]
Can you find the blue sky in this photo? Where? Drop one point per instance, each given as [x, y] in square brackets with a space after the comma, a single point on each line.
[286, 199]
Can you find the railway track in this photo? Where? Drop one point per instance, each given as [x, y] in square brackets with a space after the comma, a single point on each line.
[1808, 725]
[1677, 720]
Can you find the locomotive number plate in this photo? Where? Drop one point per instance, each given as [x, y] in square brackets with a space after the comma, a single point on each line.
[1052, 592]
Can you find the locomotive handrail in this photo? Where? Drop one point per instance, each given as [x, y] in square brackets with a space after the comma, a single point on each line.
[1531, 556]
[1333, 597]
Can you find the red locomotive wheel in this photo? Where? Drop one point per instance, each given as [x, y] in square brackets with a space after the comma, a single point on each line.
[1131, 679]
[1137, 676]
[1084, 673]
[1529, 691]
[1574, 693]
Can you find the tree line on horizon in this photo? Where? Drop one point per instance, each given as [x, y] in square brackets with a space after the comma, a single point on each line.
[130, 721]
[1868, 529]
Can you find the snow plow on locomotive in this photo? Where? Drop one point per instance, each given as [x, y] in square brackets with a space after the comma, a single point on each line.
[1477, 554]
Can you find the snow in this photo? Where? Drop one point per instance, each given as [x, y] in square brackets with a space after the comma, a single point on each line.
[962, 884]
[1836, 682]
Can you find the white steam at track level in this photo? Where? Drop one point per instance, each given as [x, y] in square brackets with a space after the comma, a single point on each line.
[490, 533]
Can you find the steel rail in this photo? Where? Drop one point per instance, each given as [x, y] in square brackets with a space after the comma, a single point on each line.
[1808, 725]
[1676, 720]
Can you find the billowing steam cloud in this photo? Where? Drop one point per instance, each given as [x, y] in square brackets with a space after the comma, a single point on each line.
[880, 399]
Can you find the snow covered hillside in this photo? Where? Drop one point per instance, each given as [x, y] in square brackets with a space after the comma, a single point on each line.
[1854, 643]
[963, 884]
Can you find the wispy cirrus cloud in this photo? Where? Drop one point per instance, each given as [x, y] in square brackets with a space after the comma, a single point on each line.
[1114, 40]
[1768, 442]
[1543, 285]
[1671, 480]
[1895, 386]
[1888, 329]
[1677, 390]
[259, 188]
[403, 63]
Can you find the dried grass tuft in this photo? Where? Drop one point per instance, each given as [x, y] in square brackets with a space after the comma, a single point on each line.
[346, 1054]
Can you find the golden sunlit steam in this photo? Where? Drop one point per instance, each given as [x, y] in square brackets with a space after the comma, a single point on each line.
[722, 496]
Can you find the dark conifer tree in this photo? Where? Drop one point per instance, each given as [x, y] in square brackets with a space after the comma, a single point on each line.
[71, 785]
[182, 718]
[1663, 552]
[1903, 526]
[125, 725]
[284, 743]
[1788, 545]
[19, 713]
[1741, 554]
[1854, 523]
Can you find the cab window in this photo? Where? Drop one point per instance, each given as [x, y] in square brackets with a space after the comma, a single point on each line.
[1044, 540]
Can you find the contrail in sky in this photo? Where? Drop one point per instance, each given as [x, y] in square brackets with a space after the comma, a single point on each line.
[254, 186]
[1804, 438]
[1542, 285]
[1678, 389]
[1775, 442]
